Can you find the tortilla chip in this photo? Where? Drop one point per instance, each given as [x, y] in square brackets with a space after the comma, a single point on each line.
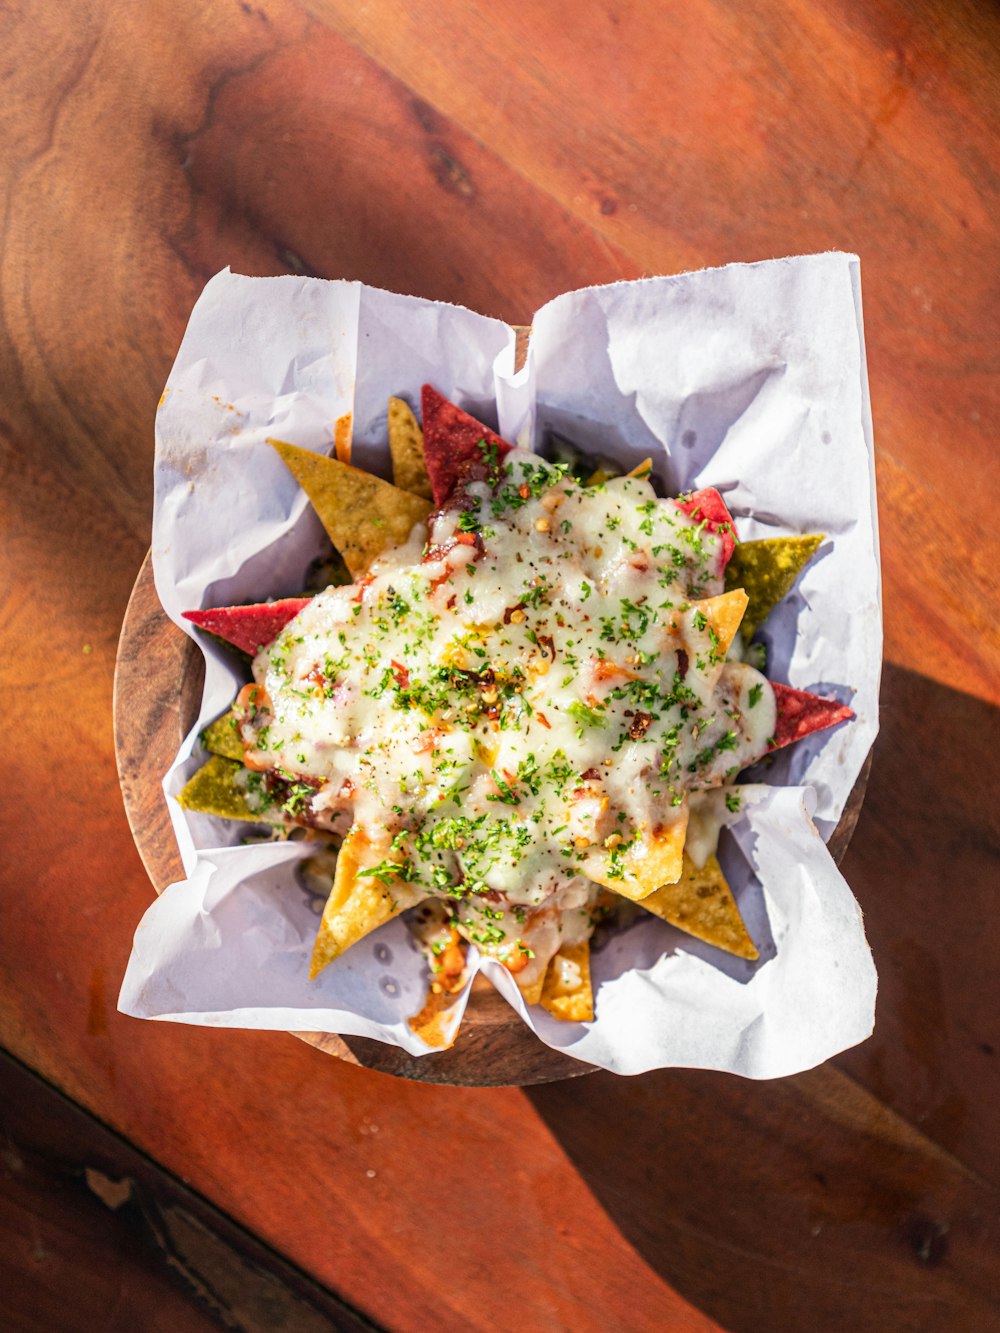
[358, 903]
[214, 791]
[453, 441]
[531, 991]
[766, 570]
[406, 444]
[222, 737]
[708, 507]
[644, 868]
[800, 713]
[642, 469]
[567, 993]
[250, 628]
[433, 1025]
[723, 614]
[599, 476]
[362, 514]
[701, 903]
[343, 437]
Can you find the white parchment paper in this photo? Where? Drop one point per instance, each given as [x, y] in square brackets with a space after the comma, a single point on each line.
[750, 378]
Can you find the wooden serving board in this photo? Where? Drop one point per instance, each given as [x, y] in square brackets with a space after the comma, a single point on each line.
[158, 681]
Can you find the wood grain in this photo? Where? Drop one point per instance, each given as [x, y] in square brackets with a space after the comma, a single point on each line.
[90, 1226]
[496, 155]
[838, 1215]
[927, 861]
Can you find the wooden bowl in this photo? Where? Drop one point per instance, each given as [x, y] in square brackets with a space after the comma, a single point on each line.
[158, 682]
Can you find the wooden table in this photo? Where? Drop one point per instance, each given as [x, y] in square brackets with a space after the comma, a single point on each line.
[492, 154]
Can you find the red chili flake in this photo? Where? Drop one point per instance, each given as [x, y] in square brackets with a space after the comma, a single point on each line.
[604, 669]
[682, 663]
[360, 586]
[401, 675]
[640, 725]
[591, 775]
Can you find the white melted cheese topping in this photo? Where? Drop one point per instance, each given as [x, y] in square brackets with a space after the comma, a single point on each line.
[529, 687]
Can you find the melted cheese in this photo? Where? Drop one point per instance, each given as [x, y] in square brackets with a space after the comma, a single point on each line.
[530, 687]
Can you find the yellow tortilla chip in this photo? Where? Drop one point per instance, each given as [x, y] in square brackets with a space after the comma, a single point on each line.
[766, 571]
[723, 614]
[702, 904]
[362, 514]
[406, 444]
[567, 993]
[531, 991]
[358, 903]
[642, 469]
[433, 1023]
[599, 477]
[221, 737]
[342, 437]
[650, 863]
[214, 790]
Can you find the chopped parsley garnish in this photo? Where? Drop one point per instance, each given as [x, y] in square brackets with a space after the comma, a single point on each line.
[502, 700]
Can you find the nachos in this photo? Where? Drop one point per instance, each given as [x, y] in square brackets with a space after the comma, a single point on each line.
[530, 703]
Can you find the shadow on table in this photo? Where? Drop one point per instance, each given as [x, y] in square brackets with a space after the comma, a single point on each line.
[804, 1203]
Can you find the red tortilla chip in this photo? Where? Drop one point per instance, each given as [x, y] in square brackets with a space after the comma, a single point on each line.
[249, 627]
[708, 507]
[800, 713]
[452, 440]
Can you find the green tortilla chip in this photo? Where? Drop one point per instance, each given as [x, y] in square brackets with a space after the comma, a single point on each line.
[766, 570]
[362, 514]
[221, 737]
[214, 790]
[406, 444]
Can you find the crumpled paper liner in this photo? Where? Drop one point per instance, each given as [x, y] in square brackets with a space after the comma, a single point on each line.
[750, 378]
